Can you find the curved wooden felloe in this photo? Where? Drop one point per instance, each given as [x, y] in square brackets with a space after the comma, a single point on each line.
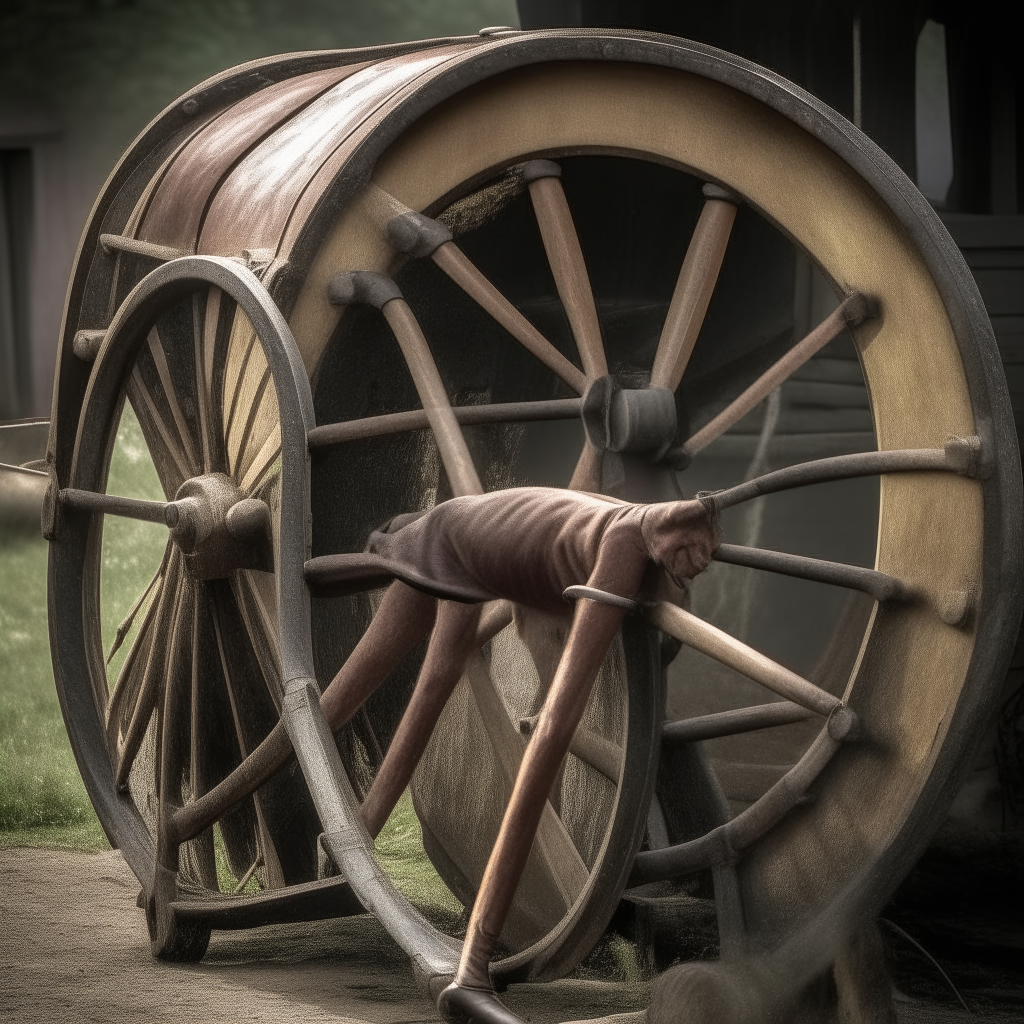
[300, 181]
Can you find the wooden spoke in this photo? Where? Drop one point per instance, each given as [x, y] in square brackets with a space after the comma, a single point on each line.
[465, 415]
[261, 630]
[241, 438]
[561, 858]
[454, 262]
[241, 346]
[458, 463]
[715, 643]
[590, 747]
[854, 310]
[587, 474]
[569, 270]
[283, 820]
[156, 350]
[726, 843]
[694, 288]
[961, 455]
[128, 621]
[258, 602]
[256, 471]
[245, 725]
[879, 585]
[174, 746]
[149, 416]
[730, 723]
[244, 880]
[196, 856]
[205, 331]
[126, 690]
[154, 673]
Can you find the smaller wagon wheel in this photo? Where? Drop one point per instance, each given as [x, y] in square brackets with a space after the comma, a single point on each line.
[193, 350]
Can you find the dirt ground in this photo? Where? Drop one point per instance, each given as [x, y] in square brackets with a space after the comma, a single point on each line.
[74, 948]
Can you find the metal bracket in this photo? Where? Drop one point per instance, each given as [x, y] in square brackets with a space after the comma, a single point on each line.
[581, 593]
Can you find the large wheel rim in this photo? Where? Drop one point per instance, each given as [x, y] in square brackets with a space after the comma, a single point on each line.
[470, 84]
[927, 295]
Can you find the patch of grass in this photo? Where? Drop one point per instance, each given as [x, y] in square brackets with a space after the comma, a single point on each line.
[400, 853]
[42, 798]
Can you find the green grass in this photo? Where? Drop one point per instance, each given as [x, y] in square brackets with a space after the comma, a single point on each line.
[400, 853]
[42, 798]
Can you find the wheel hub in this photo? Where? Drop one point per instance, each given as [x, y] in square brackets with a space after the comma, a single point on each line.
[219, 530]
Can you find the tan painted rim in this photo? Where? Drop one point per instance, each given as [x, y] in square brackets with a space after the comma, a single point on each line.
[912, 666]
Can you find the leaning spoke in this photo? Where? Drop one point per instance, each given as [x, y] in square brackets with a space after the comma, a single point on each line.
[130, 679]
[880, 585]
[241, 705]
[565, 258]
[458, 463]
[725, 844]
[256, 471]
[154, 672]
[694, 288]
[590, 747]
[962, 455]
[465, 415]
[128, 621]
[454, 262]
[717, 644]
[853, 310]
[261, 629]
[156, 350]
[561, 858]
[205, 330]
[587, 474]
[174, 748]
[147, 412]
[731, 723]
[239, 441]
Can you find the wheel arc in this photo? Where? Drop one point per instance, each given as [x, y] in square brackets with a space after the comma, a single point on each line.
[75, 539]
[1002, 596]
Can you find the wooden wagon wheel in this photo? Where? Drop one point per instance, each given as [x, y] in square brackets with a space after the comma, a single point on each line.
[418, 133]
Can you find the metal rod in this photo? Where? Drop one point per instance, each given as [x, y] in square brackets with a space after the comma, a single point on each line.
[569, 270]
[715, 643]
[839, 467]
[694, 288]
[454, 262]
[118, 243]
[452, 445]
[879, 585]
[729, 723]
[465, 415]
[724, 844]
[115, 505]
[852, 311]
